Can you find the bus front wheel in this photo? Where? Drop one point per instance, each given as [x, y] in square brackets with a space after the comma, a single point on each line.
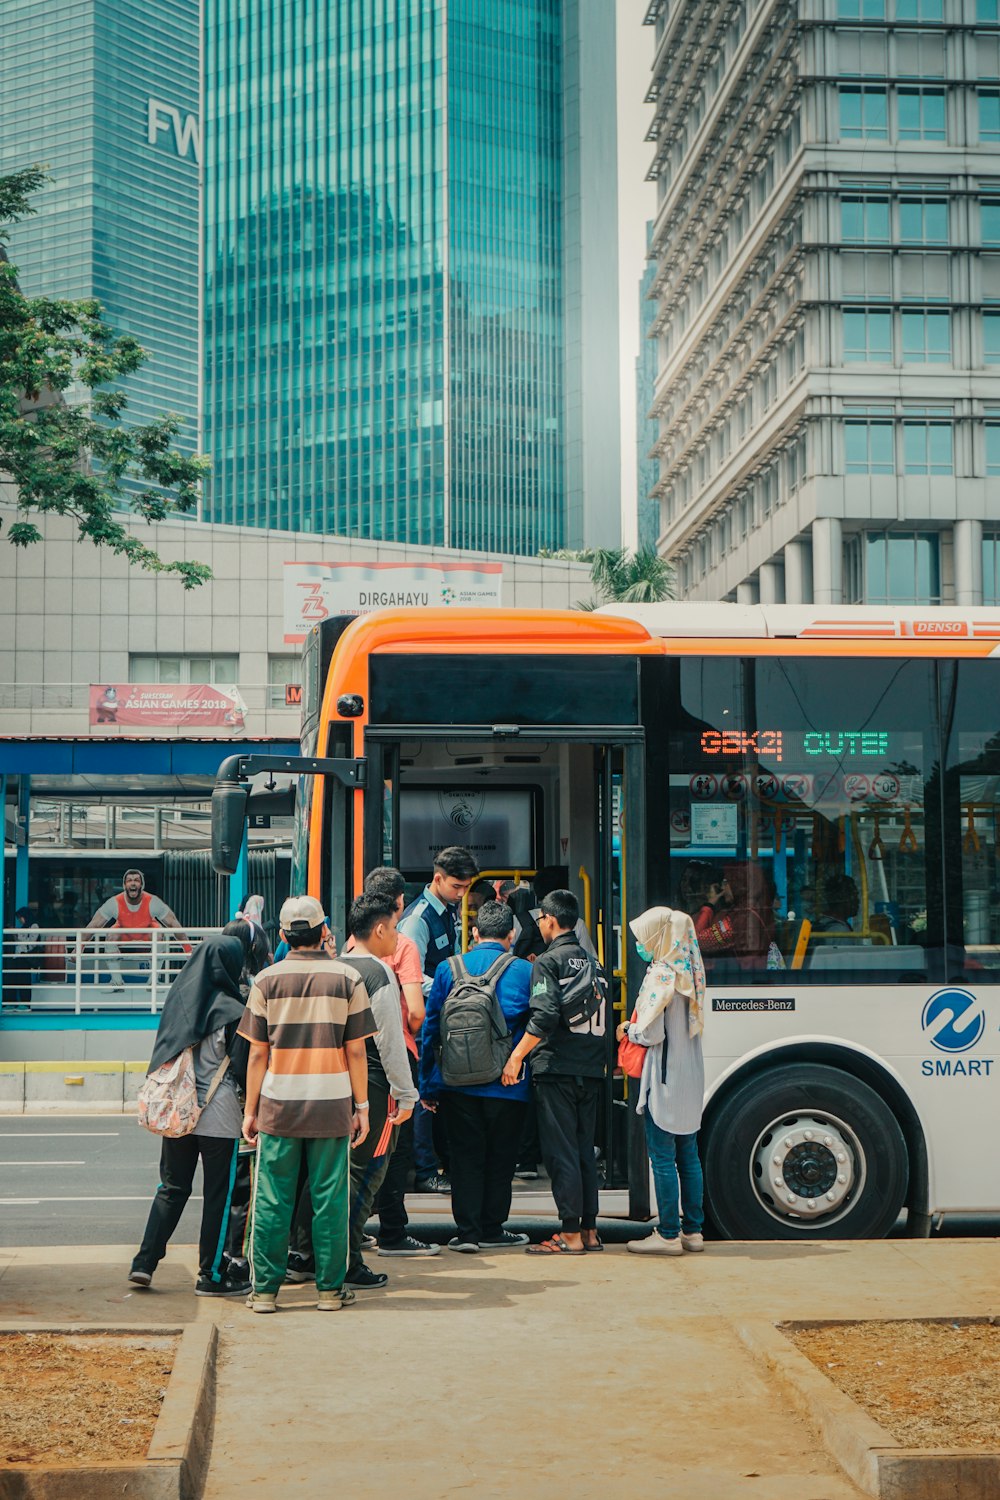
[804, 1152]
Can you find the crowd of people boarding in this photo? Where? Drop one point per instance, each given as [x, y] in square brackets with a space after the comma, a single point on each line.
[328, 1078]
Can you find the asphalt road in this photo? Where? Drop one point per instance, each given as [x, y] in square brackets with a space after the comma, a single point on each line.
[88, 1180]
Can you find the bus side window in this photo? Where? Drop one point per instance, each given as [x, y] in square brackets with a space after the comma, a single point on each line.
[972, 809]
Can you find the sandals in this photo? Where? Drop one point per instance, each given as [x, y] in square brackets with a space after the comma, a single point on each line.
[555, 1246]
[593, 1249]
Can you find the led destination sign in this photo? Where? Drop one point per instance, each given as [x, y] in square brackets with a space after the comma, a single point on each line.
[837, 743]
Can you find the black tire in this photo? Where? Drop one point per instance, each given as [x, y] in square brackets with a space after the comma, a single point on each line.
[737, 1196]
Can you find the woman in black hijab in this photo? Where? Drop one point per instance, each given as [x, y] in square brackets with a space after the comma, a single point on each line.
[202, 1010]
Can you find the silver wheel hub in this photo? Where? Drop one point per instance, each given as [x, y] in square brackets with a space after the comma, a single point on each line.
[809, 1167]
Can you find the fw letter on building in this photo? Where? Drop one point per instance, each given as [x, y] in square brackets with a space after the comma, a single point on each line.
[314, 591]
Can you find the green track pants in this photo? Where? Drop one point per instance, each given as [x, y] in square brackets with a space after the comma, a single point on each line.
[275, 1187]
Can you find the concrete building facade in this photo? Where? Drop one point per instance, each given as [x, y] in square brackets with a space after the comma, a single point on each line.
[828, 285]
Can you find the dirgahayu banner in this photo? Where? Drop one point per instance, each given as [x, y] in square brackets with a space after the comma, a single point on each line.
[188, 705]
[314, 591]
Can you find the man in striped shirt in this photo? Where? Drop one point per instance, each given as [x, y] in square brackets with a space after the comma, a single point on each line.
[307, 1020]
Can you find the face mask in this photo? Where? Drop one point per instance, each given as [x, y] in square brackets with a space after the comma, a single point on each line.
[644, 953]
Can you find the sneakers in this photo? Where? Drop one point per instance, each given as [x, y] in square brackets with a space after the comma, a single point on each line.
[335, 1299]
[463, 1246]
[369, 1242]
[505, 1240]
[140, 1278]
[364, 1279]
[527, 1173]
[693, 1242]
[300, 1268]
[227, 1286]
[408, 1246]
[439, 1183]
[263, 1302]
[655, 1244]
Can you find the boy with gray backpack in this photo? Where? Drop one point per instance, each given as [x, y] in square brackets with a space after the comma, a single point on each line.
[477, 1010]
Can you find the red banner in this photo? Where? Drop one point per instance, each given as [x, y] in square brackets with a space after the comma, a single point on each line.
[187, 704]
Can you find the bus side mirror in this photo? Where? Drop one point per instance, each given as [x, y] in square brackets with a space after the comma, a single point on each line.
[229, 816]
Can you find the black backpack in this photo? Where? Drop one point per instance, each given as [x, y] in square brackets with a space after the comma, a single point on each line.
[475, 1039]
[583, 994]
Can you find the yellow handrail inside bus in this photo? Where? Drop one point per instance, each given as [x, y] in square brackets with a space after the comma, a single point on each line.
[585, 878]
[802, 943]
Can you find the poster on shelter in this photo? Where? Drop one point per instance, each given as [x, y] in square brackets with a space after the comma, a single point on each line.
[314, 591]
[187, 705]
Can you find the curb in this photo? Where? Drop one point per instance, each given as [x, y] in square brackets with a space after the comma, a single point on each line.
[868, 1454]
[176, 1463]
[74, 1088]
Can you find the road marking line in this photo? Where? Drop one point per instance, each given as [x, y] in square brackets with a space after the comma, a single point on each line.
[43, 1163]
[56, 1135]
[135, 1198]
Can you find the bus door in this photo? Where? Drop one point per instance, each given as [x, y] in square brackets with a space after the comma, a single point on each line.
[554, 806]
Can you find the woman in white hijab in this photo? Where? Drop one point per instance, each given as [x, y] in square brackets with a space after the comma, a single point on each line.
[669, 1023]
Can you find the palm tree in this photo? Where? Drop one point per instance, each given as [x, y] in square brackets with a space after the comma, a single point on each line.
[620, 577]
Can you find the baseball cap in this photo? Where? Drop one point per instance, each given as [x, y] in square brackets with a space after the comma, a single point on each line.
[299, 912]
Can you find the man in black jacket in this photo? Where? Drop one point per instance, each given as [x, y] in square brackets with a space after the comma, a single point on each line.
[567, 1066]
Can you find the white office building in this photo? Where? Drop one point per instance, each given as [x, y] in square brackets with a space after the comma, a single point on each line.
[828, 288]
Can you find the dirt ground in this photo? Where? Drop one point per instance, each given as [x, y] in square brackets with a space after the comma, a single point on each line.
[930, 1384]
[89, 1397]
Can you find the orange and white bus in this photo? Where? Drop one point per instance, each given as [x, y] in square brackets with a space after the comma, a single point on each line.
[819, 786]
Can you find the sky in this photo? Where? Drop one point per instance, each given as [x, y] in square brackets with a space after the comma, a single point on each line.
[636, 204]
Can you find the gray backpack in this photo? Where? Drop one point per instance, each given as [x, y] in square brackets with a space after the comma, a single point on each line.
[475, 1038]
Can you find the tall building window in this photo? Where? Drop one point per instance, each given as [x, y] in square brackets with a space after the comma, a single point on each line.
[927, 446]
[863, 113]
[992, 447]
[861, 10]
[989, 215]
[868, 445]
[991, 567]
[893, 568]
[919, 10]
[864, 220]
[867, 335]
[926, 337]
[988, 10]
[989, 115]
[923, 221]
[920, 114]
[991, 338]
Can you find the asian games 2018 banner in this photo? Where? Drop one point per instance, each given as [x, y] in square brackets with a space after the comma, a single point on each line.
[314, 591]
[189, 705]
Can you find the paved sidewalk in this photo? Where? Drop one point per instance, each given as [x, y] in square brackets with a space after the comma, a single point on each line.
[506, 1375]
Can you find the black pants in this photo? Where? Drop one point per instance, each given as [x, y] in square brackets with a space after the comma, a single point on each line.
[389, 1201]
[485, 1136]
[530, 1150]
[567, 1120]
[368, 1167]
[178, 1160]
[238, 1234]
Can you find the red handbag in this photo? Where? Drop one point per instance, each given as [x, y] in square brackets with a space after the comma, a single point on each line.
[631, 1056]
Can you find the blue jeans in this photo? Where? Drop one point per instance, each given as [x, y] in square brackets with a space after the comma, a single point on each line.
[672, 1157]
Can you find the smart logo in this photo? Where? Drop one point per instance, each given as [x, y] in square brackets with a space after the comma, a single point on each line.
[951, 1036]
[954, 1023]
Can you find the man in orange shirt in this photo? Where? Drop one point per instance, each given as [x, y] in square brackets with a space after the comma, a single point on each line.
[132, 912]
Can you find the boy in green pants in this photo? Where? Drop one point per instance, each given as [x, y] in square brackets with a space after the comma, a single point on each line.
[307, 1020]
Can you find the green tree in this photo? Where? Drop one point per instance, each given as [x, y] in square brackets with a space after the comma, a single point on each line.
[72, 458]
[621, 577]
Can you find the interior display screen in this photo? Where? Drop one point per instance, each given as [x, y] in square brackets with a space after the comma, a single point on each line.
[496, 823]
[772, 744]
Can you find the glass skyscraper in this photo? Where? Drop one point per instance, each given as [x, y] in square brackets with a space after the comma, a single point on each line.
[105, 94]
[394, 272]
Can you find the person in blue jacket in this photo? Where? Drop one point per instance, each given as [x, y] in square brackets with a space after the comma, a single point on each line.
[485, 1121]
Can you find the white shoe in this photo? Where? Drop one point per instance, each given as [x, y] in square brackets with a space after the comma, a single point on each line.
[693, 1242]
[263, 1302]
[655, 1244]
